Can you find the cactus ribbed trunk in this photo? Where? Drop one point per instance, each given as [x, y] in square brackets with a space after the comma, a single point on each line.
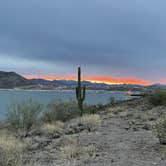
[80, 92]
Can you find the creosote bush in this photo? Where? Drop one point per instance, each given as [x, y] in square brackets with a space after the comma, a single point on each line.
[24, 115]
[158, 98]
[61, 111]
[11, 149]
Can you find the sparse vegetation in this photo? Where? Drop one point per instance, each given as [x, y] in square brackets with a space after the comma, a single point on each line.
[160, 130]
[71, 149]
[69, 140]
[158, 98]
[75, 151]
[115, 110]
[11, 149]
[24, 115]
[53, 141]
[61, 111]
[50, 128]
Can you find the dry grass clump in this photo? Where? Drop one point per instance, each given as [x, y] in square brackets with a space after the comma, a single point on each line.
[124, 114]
[71, 149]
[114, 111]
[109, 115]
[118, 110]
[11, 149]
[49, 128]
[68, 140]
[91, 122]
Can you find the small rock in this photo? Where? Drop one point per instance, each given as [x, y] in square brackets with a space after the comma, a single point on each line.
[112, 160]
[146, 127]
[135, 129]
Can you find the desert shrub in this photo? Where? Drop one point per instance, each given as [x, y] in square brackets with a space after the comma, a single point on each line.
[11, 149]
[50, 128]
[158, 98]
[61, 111]
[91, 122]
[24, 115]
[160, 130]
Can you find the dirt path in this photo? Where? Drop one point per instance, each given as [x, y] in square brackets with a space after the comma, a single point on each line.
[118, 146]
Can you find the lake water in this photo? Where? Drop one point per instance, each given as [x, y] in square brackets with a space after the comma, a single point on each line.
[8, 97]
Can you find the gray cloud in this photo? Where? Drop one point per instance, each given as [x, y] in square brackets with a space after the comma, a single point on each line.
[116, 37]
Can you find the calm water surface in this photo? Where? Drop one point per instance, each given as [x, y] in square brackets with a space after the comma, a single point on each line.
[8, 97]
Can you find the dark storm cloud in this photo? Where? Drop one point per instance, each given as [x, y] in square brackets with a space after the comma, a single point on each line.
[126, 37]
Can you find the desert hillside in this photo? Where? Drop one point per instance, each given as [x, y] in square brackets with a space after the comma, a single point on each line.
[124, 138]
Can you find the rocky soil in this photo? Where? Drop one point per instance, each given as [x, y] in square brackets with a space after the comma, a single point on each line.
[125, 138]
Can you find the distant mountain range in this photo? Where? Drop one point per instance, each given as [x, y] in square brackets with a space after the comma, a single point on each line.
[68, 83]
[11, 80]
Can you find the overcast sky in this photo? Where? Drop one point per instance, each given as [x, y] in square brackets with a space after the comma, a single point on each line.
[113, 38]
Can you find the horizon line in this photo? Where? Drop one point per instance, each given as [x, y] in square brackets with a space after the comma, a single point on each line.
[96, 79]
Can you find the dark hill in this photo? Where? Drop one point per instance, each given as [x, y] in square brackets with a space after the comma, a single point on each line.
[11, 80]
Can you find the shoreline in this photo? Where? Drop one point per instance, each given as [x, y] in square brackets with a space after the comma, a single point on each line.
[97, 90]
[46, 90]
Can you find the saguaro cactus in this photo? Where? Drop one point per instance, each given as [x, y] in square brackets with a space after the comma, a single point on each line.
[80, 92]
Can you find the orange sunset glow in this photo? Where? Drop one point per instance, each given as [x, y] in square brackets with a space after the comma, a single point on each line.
[97, 79]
